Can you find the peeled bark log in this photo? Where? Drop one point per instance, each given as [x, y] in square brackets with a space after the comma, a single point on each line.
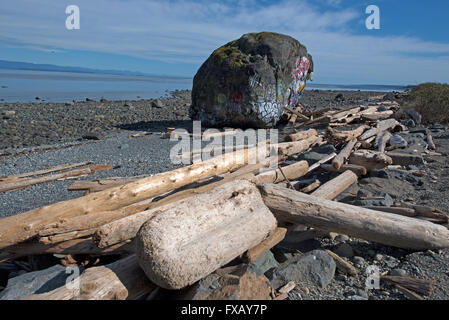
[371, 160]
[338, 136]
[292, 171]
[23, 226]
[186, 243]
[315, 184]
[386, 228]
[331, 189]
[76, 246]
[290, 148]
[344, 154]
[120, 280]
[382, 140]
[378, 115]
[17, 184]
[301, 135]
[381, 126]
[273, 239]
[45, 171]
[358, 170]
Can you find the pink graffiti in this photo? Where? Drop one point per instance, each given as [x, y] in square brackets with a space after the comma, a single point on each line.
[237, 98]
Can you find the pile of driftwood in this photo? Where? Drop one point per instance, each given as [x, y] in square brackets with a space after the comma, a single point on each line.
[171, 229]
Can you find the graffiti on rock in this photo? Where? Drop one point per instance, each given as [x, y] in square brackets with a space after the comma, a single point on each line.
[299, 83]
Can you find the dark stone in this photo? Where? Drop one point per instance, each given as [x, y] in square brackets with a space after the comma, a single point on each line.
[266, 261]
[325, 149]
[363, 201]
[90, 136]
[157, 103]
[246, 82]
[316, 268]
[339, 97]
[244, 282]
[90, 99]
[36, 282]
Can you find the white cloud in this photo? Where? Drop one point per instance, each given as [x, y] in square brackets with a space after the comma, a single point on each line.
[187, 31]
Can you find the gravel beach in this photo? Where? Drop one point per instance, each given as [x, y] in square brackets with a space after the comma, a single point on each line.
[41, 135]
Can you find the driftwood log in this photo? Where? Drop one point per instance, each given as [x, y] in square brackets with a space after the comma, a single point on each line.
[340, 159]
[382, 227]
[331, 189]
[120, 280]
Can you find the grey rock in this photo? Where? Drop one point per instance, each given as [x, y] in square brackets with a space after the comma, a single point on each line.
[325, 149]
[415, 115]
[344, 250]
[311, 156]
[157, 103]
[362, 293]
[35, 282]
[316, 268]
[398, 272]
[246, 82]
[398, 141]
[356, 297]
[410, 123]
[358, 261]
[378, 257]
[266, 261]
[123, 146]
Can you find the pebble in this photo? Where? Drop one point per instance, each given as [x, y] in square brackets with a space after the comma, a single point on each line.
[398, 272]
[344, 250]
[378, 257]
[358, 261]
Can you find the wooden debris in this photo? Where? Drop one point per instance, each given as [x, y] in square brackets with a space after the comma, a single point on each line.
[292, 171]
[315, 184]
[45, 171]
[290, 148]
[102, 184]
[369, 159]
[273, 239]
[386, 228]
[17, 184]
[338, 136]
[322, 161]
[120, 280]
[331, 189]
[409, 294]
[338, 161]
[382, 140]
[418, 285]
[430, 143]
[358, 170]
[287, 288]
[301, 135]
[342, 265]
[381, 126]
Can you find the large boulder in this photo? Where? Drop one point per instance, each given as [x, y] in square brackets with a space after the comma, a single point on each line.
[246, 82]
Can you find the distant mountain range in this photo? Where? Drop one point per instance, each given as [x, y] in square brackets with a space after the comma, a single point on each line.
[16, 65]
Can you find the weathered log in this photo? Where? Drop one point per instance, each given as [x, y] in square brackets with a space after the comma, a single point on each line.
[102, 184]
[301, 135]
[344, 114]
[66, 236]
[296, 113]
[322, 161]
[293, 171]
[315, 184]
[23, 226]
[409, 294]
[290, 148]
[189, 241]
[342, 265]
[331, 189]
[358, 170]
[381, 115]
[406, 159]
[381, 126]
[273, 239]
[45, 171]
[432, 214]
[76, 246]
[371, 160]
[338, 136]
[430, 143]
[382, 140]
[382, 227]
[17, 184]
[418, 285]
[338, 161]
[120, 280]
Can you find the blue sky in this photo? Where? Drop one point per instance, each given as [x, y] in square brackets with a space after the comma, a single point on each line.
[174, 37]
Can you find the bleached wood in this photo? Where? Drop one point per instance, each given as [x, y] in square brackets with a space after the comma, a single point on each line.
[358, 170]
[339, 160]
[382, 227]
[331, 189]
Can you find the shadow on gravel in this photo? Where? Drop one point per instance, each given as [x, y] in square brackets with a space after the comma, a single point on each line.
[157, 126]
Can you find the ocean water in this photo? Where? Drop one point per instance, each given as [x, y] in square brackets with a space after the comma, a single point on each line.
[26, 85]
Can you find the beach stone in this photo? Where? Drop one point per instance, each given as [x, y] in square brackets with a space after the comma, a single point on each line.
[246, 82]
[265, 262]
[358, 261]
[415, 115]
[36, 282]
[325, 149]
[157, 103]
[398, 141]
[398, 272]
[316, 268]
[244, 283]
[378, 257]
[344, 250]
